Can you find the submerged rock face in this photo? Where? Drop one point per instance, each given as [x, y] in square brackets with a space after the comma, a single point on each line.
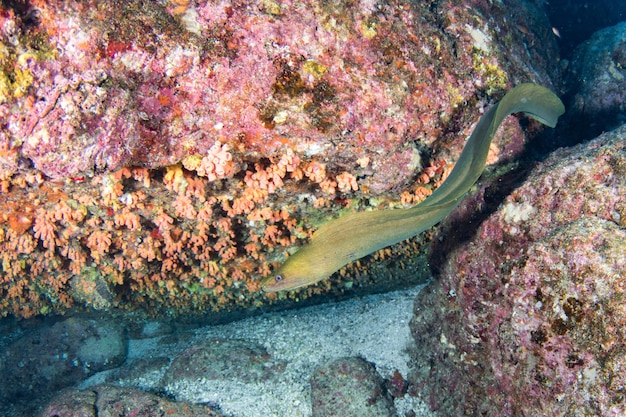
[99, 86]
[165, 156]
[221, 360]
[596, 83]
[349, 387]
[526, 318]
[575, 22]
[51, 358]
[106, 400]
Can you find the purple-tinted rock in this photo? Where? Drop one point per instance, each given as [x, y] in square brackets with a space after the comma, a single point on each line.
[349, 387]
[93, 86]
[72, 403]
[109, 401]
[528, 317]
[221, 360]
[596, 81]
[51, 358]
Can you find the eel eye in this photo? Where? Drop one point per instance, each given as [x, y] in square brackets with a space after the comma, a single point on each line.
[278, 278]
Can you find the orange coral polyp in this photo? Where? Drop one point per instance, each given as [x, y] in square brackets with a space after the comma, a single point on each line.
[152, 230]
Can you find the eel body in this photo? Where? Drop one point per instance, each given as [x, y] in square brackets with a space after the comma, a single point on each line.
[355, 235]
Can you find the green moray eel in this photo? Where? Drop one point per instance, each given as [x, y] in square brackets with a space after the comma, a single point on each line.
[355, 235]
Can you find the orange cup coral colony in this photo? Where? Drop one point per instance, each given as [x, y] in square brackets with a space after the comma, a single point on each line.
[166, 237]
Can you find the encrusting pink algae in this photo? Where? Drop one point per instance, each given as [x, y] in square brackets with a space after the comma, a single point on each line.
[167, 155]
[528, 315]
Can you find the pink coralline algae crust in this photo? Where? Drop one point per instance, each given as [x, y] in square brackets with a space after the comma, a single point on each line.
[137, 83]
[528, 317]
[166, 156]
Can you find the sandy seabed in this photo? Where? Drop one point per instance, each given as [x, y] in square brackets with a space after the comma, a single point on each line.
[373, 327]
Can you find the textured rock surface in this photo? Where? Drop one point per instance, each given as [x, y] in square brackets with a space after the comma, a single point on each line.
[527, 317]
[349, 387]
[596, 83]
[234, 128]
[109, 401]
[133, 83]
[50, 358]
[219, 361]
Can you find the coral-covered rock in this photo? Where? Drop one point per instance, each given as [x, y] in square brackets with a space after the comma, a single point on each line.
[527, 317]
[165, 156]
[53, 357]
[349, 387]
[110, 401]
[596, 82]
[92, 86]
